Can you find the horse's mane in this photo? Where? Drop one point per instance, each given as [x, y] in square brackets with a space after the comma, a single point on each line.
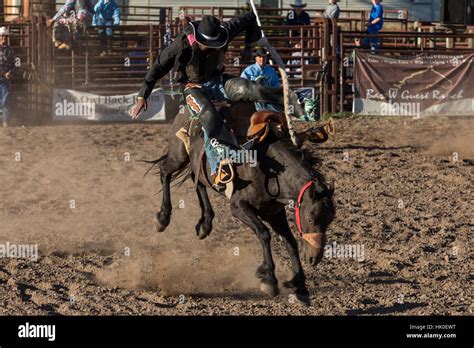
[308, 160]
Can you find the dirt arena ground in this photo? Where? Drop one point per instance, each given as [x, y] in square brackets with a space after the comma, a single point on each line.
[404, 193]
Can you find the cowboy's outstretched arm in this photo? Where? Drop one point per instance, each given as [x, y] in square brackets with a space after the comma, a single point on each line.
[162, 65]
[247, 23]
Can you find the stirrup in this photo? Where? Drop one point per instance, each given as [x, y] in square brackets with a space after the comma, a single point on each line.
[219, 179]
[222, 176]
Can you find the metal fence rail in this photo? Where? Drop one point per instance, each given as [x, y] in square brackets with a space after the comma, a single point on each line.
[130, 14]
[348, 20]
[134, 49]
[317, 56]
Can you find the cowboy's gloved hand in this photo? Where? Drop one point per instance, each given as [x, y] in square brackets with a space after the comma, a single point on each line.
[49, 22]
[139, 106]
[8, 75]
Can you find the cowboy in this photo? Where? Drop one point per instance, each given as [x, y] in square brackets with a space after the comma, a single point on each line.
[75, 12]
[107, 13]
[262, 73]
[298, 16]
[7, 68]
[198, 54]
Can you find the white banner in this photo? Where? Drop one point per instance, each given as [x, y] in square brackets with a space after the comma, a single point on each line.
[69, 104]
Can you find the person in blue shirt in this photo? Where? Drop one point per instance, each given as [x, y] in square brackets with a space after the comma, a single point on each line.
[107, 13]
[375, 23]
[262, 73]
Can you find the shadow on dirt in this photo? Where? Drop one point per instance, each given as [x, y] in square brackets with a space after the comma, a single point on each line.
[384, 310]
[241, 295]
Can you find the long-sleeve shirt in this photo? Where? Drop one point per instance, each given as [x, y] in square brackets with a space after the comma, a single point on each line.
[107, 10]
[332, 11]
[185, 56]
[84, 6]
[255, 71]
[7, 60]
[293, 19]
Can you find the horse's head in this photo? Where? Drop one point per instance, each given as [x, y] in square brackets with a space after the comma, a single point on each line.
[314, 212]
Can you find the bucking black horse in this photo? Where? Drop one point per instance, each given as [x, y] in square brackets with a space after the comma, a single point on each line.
[283, 177]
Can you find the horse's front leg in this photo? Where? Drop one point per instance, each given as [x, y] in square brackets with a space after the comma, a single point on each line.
[204, 226]
[279, 223]
[243, 211]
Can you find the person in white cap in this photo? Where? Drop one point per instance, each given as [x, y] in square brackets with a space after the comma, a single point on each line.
[7, 68]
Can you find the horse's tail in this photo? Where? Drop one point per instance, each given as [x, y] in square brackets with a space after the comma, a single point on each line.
[182, 173]
[154, 164]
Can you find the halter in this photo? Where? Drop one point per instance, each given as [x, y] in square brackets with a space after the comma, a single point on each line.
[298, 205]
[316, 238]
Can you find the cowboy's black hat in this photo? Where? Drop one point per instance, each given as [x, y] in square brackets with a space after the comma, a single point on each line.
[210, 33]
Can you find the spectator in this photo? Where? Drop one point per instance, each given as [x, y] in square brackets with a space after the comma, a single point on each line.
[263, 73]
[7, 68]
[71, 18]
[332, 10]
[375, 23]
[82, 9]
[296, 60]
[298, 16]
[107, 13]
[260, 71]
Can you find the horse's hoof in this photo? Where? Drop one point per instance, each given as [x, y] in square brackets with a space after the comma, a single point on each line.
[201, 233]
[269, 289]
[159, 226]
[303, 299]
[203, 229]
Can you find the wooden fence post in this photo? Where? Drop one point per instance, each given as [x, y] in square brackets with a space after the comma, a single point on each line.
[470, 41]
